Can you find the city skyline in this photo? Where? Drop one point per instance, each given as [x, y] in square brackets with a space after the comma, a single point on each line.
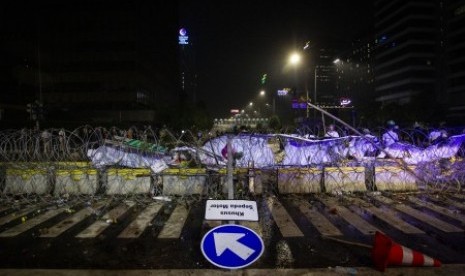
[236, 43]
[122, 63]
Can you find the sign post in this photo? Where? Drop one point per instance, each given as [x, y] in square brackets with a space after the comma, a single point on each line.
[231, 246]
[230, 172]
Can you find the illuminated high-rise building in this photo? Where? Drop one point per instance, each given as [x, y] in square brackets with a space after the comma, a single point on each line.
[408, 38]
[419, 58]
[187, 68]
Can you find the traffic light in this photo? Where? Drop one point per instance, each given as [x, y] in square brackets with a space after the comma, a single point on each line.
[264, 78]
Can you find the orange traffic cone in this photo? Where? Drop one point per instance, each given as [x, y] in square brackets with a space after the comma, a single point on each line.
[386, 252]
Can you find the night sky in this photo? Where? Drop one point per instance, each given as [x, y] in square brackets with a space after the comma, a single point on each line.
[235, 42]
[238, 41]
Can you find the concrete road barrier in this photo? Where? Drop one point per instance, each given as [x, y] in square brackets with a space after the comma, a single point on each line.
[184, 181]
[76, 181]
[395, 178]
[27, 181]
[344, 179]
[299, 180]
[128, 181]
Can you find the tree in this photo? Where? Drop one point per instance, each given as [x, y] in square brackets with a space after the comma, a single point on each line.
[274, 123]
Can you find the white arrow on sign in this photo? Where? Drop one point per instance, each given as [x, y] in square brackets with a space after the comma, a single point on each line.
[229, 241]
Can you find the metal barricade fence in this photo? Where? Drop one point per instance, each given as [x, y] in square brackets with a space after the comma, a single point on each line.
[142, 164]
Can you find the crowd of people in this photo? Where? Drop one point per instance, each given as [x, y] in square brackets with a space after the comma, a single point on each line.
[387, 135]
[391, 133]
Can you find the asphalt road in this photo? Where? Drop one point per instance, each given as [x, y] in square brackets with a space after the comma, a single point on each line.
[319, 232]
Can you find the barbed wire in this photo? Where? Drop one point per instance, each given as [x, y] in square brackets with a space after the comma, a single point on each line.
[56, 165]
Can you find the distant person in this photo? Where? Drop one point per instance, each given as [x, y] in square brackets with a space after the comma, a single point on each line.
[47, 141]
[62, 139]
[309, 136]
[331, 133]
[390, 136]
[418, 134]
[370, 148]
[437, 135]
[130, 133]
[367, 133]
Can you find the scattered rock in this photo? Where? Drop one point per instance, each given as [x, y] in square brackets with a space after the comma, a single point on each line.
[284, 256]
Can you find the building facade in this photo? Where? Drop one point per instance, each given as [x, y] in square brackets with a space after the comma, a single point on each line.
[455, 60]
[408, 53]
[324, 78]
[354, 70]
[420, 57]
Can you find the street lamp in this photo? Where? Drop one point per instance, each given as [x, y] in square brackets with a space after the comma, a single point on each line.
[262, 95]
[315, 80]
[294, 58]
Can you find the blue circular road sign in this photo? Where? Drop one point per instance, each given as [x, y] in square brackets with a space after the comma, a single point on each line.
[232, 246]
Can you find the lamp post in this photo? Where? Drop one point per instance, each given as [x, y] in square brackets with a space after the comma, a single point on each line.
[314, 88]
[295, 59]
[262, 95]
[338, 63]
[315, 98]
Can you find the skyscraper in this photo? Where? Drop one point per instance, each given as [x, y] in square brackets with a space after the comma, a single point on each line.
[187, 62]
[409, 54]
[420, 57]
[455, 60]
[354, 70]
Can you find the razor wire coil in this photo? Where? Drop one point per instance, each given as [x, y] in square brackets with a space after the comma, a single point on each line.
[54, 165]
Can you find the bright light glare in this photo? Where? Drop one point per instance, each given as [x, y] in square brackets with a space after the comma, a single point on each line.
[262, 93]
[294, 58]
[307, 45]
[345, 101]
[336, 61]
[251, 103]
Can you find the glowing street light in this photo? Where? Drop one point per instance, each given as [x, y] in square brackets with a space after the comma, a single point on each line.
[262, 93]
[295, 58]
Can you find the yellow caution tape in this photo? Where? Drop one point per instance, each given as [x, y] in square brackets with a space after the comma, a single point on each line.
[345, 169]
[25, 174]
[300, 170]
[235, 171]
[185, 171]
[129, 174]
[393, 169]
